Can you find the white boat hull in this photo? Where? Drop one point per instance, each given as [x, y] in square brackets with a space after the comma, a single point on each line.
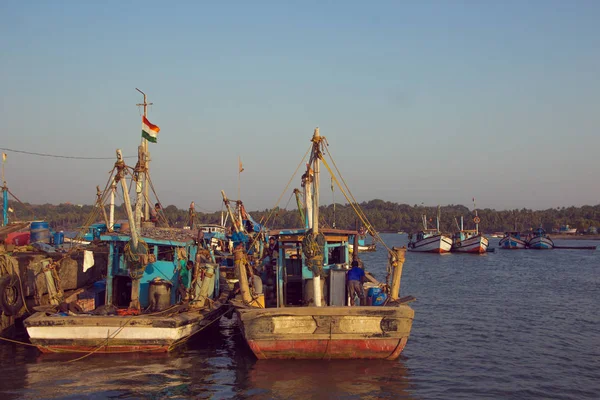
[434, 244]
[476, 244]
[115, 334]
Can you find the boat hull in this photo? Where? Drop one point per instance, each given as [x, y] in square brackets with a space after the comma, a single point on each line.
[434, 244]
[476, 245]
[512, 243]
[327, 332]
[541, 243]
[116, 334]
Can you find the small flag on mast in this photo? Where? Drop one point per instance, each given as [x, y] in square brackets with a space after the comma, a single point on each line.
[240, 167]
[149, 130]
[3, 157]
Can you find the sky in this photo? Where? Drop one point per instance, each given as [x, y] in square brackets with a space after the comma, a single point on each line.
[432, 102]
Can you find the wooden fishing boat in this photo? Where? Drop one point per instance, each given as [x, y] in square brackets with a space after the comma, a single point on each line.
[27, 259]
[430, 240]
[160, 286]
[540, 240]
[470, 240]
[512, 240]
[306, 313]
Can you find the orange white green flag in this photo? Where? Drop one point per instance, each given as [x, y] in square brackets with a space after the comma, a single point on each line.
[149, 131]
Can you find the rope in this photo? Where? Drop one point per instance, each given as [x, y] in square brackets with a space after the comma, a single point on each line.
[25, 205]
[186, 339]
[58, 156]
[18, 342]
[105, 343]
[280, 197]
[354, 204]
[160, 214]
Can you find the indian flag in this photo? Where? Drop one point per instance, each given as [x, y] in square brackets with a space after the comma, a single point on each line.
[149, 131]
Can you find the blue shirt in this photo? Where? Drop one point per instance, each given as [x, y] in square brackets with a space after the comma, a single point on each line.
[355, 274]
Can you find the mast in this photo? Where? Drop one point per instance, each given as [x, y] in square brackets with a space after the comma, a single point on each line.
[4, 203]
[121, 177]
[315, 228]
[316, 154]
[230, 212]
[4, 195]
[438, 220]
[111, 217]
[307, 181]
[146, 166]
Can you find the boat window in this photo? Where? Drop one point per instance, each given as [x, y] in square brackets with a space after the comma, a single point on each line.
[337, 255]
[165, 253]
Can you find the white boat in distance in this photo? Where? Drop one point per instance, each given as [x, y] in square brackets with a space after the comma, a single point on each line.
[430, 241]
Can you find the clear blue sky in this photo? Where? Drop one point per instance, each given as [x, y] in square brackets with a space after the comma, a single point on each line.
[434, 102]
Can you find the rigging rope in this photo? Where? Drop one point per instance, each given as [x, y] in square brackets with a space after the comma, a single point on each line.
[31, 153]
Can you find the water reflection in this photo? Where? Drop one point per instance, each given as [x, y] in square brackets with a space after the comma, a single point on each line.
[295, 379]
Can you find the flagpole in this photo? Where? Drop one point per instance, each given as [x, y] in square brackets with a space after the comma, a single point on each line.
[147, 161]
[239, 178]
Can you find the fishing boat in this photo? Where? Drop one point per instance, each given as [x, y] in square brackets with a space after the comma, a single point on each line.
[363, 246]
[30, 253]
[310, 317]
[470, 240]
[540, 240]
[512, 240]
[160, 287]
[430, 240]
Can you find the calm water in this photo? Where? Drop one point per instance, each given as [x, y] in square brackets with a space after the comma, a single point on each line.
[510, 324]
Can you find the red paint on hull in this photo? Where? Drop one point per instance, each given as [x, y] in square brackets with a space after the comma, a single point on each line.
[104, 350]
[439, 251]
[371, 348]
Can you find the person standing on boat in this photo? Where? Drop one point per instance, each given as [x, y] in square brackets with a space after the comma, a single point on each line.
[356, 277]
[184, 279]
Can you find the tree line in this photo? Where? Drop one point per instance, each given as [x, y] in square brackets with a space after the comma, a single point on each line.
[384, 216]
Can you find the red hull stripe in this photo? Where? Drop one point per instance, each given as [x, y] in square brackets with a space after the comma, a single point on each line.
[388, 349]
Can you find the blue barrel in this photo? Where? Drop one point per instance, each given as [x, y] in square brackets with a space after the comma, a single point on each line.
[59, 238]
[379, 299]
[373, 291]
[40, 232]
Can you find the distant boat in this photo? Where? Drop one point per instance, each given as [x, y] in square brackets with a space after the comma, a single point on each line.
[565, 229]
[512, 240]
[430, 240]
[540, 240]
[470, 241]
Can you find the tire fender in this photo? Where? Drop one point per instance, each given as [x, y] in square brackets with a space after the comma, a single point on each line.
[11, 295]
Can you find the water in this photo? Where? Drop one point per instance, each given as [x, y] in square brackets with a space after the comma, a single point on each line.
[510, 324]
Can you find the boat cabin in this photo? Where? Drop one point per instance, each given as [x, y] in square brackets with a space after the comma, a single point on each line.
[293, 276]
[424, 234]
[514, 234]
[163, 269]
[464, 234]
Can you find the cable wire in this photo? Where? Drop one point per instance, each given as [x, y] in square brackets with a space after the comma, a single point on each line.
[31, 153]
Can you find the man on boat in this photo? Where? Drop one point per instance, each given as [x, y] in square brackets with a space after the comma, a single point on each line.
[184, 279]
[355, 283]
